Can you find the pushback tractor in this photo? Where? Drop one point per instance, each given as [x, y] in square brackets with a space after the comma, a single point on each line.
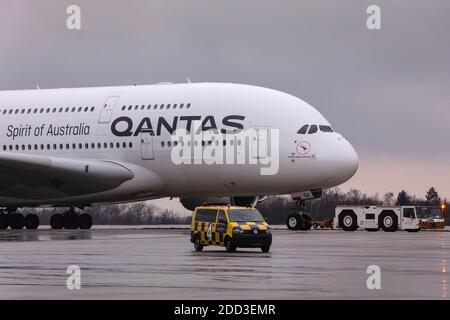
[374, 218]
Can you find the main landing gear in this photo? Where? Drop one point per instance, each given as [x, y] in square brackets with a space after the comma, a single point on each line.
[71, 220]
[299, 220]
[17, 221]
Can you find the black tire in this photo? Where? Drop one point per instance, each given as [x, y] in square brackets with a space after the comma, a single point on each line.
[70, 221]
[197, 244]
[294, 221]
[306, 222]
[84, 221]
[315, 225]
[17, 221]
[31, 221]
[229, 246]
[4, 221]
[57, 221]
[388, 221]
[265, 249]
[348, 220]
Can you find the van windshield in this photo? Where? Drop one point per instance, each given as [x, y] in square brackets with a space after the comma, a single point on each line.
[245, 215]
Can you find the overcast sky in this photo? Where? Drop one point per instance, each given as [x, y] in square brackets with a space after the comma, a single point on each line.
[387, 91]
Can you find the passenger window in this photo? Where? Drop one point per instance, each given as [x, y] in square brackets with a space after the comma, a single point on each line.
[303, 129]
[325, 129]
[312, 129]
[222, 217]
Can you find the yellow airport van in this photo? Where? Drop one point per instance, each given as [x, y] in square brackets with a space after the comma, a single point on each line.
[230, 227]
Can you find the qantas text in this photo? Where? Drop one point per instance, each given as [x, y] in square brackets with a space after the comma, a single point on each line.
[125, 127]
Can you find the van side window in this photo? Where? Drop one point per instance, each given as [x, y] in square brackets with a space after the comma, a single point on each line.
[206, 215]
[222, 217]
[303, 129]
[312, 129]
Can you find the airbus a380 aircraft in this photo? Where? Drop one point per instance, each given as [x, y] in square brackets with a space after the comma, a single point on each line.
[81, 147]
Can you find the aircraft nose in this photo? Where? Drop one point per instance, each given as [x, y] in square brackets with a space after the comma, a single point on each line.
[347, 162]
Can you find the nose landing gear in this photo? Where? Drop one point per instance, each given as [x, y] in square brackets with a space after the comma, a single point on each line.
[299, 220]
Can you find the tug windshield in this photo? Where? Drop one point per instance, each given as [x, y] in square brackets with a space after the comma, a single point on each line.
[429, 213]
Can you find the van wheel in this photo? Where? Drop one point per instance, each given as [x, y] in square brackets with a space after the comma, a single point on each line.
[347, 220]
[315, 225]
[265, 248]
[388, 221]
[229, 246]
[197, 244]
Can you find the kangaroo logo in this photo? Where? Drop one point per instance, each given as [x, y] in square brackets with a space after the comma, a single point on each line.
[303, 148]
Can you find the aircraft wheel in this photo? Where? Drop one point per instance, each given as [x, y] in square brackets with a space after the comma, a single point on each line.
[17, 221]
[294, 221]
[4, 221]
[70, 221]
[57, 221]
[31, 221]
[84, 221]
[306, 222]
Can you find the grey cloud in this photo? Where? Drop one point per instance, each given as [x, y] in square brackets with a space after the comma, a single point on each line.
[387, 91]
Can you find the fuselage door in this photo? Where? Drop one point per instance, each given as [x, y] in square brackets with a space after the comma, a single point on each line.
[146, 140]
[259, 143]
[107, 110]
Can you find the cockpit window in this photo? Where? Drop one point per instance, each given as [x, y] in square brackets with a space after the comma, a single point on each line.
[325, 129]
[303, 129]
[312, 129]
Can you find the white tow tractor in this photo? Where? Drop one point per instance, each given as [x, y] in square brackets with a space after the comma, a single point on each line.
[373, 218]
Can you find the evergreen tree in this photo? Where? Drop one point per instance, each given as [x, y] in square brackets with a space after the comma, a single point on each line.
[432, 196]
[403, 199]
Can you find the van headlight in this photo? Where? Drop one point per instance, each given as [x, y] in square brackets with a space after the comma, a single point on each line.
[238, 230]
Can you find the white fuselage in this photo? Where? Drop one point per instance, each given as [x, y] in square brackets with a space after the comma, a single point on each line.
[129, 125]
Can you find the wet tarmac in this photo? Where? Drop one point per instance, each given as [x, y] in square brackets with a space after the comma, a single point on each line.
[141, 263]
